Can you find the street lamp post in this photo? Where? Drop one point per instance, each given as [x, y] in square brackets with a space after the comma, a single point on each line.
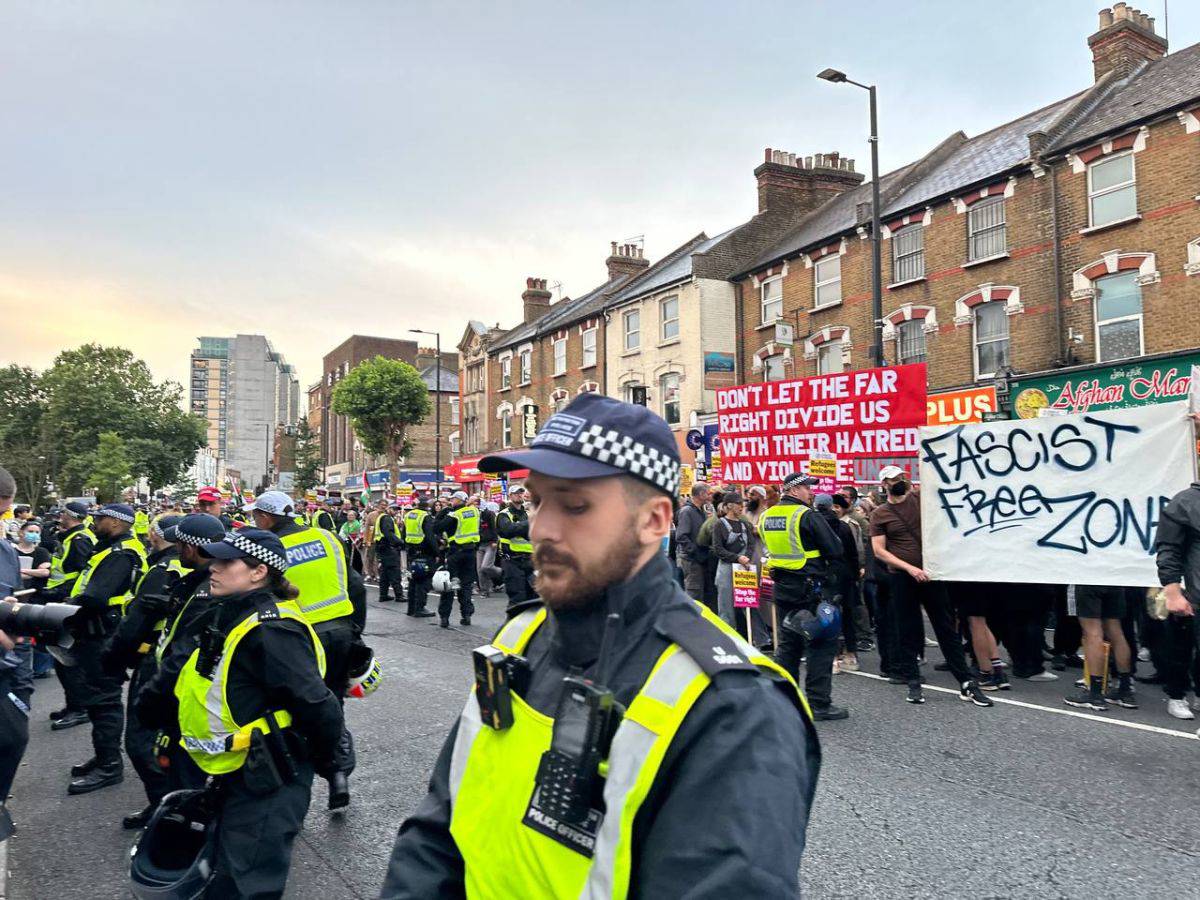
[836, 77]
[437, 412]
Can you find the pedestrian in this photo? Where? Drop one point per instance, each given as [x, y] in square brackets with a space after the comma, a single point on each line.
[459, 525]
[1177, 545]
[896, 540]
[1100, 609]
[843, 577]
[800, 545]
[731, 545]
[420, 544]
[209, 500]
[370, 561]
[35, 558]
[102, 590]
[516, 814]
[691, 557]
[317, 567]
[350, 533]
[516, 551]
[485, 554]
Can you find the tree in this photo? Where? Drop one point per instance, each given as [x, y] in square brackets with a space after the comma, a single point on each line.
[108, 468]
[382, 398]
[25, 448]
[308, 459]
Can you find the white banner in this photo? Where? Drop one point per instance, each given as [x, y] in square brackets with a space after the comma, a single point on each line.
[1056, 500]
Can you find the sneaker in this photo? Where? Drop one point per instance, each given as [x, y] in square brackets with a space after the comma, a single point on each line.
[1043, 676]
[1000, 678]
[915, 695]
[1144, 655]
[830, 713]
[1058, 662]
[445, 623]
[1083, 699]
[930, 642]
[971, 691]
[864, 646]
[1126, 698]
[987, 682]
[896, 679]
[1178, 709]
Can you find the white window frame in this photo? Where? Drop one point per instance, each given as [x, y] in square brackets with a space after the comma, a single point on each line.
[819, 283]
[454, 411]
[506, 373]
[589, 353]
[677, 402]
[897, 257]
[627, 332]
[919, 325]
[1140, 318]
[506, 420]
[767, 361]
[763, 302]
[830, 352]
[526, 359]
[664, 321]
[1124, 185]
[974, 211]
[1002, 306]
[560, 356]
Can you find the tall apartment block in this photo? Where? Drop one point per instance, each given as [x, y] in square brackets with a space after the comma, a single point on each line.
[244, 389]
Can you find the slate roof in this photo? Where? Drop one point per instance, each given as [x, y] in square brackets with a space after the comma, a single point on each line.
[1152, 90]
[561, 313]
[449, 379]
[674, 267]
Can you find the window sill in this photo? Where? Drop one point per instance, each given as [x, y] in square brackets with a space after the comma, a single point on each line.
[671, 343]
[524, 383]
[825, 306]
[987, 259]
[633, 352]
[559, 374]
[588, 366]
[1107, 225]
[765, 325]
[900, 284]
[507, 387]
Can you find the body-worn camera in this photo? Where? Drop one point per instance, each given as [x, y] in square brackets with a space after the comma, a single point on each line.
[497, 675]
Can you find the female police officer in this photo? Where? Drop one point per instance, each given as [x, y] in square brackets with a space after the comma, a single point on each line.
[255, 713]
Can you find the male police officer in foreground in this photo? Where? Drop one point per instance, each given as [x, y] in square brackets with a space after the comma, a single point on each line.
[706, 783]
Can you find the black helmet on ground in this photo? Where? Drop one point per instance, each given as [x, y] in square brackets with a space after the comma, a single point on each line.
[175, 857]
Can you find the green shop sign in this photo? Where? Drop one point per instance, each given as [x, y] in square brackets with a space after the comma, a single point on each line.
[1131, 383]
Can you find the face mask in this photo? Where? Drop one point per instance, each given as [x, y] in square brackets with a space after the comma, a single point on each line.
[33, 537]
[899, 489]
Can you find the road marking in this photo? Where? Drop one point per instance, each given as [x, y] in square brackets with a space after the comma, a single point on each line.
[1136, 726]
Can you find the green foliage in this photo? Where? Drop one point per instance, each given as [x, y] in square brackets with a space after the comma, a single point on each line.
[108, 467]
[382, 398]
[308, 458]
[25, 446]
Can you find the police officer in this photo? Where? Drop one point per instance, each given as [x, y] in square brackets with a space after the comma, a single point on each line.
[276, 722]
[708, 776]
[516, 552]
[323, 518]
[131, 647]
[800, 546]
[75, 546]
[420, 543]
[141, 525]
[317, 567]
[459, 524]
[102, 590]
[189, 612]
[388, 545]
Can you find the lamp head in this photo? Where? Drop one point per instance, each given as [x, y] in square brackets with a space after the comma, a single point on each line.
[832, 75]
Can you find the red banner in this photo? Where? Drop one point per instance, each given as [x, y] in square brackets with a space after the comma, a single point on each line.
[772, 429]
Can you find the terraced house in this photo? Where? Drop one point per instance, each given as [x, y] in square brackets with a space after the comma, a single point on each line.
[1068, 236]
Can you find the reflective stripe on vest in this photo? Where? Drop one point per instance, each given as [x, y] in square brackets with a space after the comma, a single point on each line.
[57, 575]
[779, 529]
[379, 531]
[129, 542]
[467, 529]
[208, 732]
[492, 776]
[141, 523]
[171, 565]
[514, 545]
[317, 566]
[414, 526]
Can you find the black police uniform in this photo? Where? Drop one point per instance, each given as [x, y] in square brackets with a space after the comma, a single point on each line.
[93, 626]
[70, 677]
[387, 551]
[724, 768]
[460, 562]
[132, 647]
[513, 522]
[422, 561]
[805, 589]
[16, 686]
[324, 519]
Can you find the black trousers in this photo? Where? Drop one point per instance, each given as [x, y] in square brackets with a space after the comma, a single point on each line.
[14, 729]
[460, 561]
[908, 597]
[101, 700]
[254, 844]
[337, 637]
[139, 740]
[72, 681]
[518, 579]
[390, 573]
[1182, 658]
[792, 592]
[418, 588]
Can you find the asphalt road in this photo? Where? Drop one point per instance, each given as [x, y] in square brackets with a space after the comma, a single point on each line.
[942, 800]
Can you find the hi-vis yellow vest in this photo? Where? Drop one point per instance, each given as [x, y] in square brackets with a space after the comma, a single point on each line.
[57, 575]
[520, 545]
[208, 732]
[493, 774]
[172, 564]
[467, 529]
[317, 566]
[779, 529]
[128, 542]
[379, 535]
[414, 526]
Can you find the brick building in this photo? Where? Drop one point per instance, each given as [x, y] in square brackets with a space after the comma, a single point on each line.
[1070, 235]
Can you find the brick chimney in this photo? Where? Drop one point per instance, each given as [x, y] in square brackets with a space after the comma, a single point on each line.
[626, 259]
[1126, 39]
[536, 299]
[791, 184]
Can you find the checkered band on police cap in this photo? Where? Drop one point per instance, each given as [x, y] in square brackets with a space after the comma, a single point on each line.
[648, 463]
[258, 551]
[118, 511]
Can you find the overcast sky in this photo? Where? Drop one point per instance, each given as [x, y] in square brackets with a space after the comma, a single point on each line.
[309, 170]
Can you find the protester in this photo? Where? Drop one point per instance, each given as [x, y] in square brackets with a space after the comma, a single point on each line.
[691, 557]
[731, 545]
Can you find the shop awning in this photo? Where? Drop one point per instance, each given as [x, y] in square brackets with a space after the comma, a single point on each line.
[466, 468]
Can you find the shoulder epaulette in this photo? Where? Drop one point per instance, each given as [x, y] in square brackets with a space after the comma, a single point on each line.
[710, 648]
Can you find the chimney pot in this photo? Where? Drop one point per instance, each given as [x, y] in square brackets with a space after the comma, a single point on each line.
[1150, 24]
[1106, 17]
[1120, 10]
[614, 248]
[767, 155]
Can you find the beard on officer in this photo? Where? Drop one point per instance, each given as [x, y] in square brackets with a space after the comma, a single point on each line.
[613, 714]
